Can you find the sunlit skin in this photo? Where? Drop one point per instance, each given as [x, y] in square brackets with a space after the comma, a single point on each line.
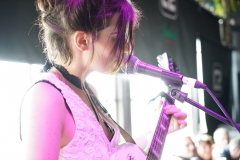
[224, 140]
[188, 148]
[221, 137]
[48, 118]
[234, 148]
[204, 150]
[178, 118]
[235, 152]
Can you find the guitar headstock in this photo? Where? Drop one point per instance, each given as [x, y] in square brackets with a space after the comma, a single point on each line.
[167, 63]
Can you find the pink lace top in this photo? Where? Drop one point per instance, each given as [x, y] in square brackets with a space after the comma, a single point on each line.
[89, 141]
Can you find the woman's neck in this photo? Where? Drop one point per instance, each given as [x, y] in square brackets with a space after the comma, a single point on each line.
[76, 70]
[64, 72]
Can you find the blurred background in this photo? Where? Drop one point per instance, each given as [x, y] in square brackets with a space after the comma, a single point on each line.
[202, 36]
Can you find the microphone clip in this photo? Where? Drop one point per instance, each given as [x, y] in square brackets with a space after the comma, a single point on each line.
[165, 95]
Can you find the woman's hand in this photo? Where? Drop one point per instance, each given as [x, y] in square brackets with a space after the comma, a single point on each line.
[178, 118]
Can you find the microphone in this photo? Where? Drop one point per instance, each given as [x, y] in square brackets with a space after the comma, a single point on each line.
[133, 65]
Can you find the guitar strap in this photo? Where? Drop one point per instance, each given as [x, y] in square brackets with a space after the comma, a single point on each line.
[125, 135]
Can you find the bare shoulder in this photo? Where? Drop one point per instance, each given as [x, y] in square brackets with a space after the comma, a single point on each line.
[43, 98]
[42, 115]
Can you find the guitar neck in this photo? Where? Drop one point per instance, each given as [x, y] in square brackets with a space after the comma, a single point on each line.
[158, 140]
[159, 136]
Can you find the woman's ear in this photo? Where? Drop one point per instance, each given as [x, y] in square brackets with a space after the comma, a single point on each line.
[81, 40]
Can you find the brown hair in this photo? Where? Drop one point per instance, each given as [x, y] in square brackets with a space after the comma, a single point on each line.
[204, 138]
[58, 18]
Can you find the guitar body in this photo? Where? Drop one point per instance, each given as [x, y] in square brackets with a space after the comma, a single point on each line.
[128, 151]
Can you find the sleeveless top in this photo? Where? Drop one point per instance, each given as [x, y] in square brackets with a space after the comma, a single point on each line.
[89, 141]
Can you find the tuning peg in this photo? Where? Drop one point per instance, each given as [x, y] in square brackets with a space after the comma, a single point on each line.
[170, 60]
[177, 69]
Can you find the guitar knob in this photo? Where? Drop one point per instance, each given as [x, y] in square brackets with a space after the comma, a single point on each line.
[170, 60]
[178, 69]
[170, 63]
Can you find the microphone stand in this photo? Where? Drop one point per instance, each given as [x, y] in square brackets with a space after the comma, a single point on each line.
[181, 96]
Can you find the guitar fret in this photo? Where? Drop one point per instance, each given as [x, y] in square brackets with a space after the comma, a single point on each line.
[157, 147]
[152, 156]
[166, 120]
[159, 141]
[160, 152]
[155, 153]
[166, 117]
[154, 146]
[157, 150]
[161, 135]
[162, 126]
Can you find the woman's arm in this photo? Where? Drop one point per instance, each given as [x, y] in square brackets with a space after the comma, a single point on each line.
[42, 117]
[143, 141]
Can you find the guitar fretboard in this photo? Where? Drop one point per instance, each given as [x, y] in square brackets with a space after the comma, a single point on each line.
[159, 136]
